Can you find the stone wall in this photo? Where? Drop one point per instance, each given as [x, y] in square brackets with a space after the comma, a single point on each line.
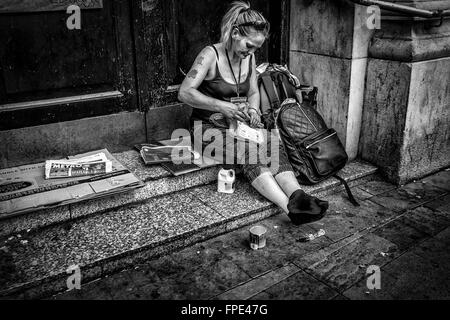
[328, 49]
[406, 113]
[321, 36]
[116, 132]
[386, 91]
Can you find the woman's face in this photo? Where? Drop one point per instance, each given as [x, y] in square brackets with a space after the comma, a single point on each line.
[244, 46]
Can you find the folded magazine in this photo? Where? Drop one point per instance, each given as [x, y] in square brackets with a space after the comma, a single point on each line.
[86, 166]
[157, 153]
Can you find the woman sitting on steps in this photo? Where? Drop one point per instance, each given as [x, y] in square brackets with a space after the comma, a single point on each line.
[223, 80]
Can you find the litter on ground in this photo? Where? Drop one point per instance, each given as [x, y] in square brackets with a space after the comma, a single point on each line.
[312, 236]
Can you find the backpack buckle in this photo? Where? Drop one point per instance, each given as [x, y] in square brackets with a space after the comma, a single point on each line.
[288, 101]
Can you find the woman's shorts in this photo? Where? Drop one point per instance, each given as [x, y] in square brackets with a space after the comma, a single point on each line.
[254, 159]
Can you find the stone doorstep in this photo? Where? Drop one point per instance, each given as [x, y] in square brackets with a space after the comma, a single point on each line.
[56, 283]
[42, 287]
[44, 284]
[158, 182]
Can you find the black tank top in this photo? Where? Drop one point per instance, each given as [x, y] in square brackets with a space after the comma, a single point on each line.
[220, 89]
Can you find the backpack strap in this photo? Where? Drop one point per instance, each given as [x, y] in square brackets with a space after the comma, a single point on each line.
[280, 82]
[349, 192]
[271, 91]
[293, 79]
[217, 53]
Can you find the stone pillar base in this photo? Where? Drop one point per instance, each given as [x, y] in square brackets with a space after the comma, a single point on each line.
[406, 115]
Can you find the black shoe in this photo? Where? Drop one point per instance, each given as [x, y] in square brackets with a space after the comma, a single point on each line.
[304, 208]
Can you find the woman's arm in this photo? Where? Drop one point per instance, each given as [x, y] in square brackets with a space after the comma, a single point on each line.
[253, 93]
[190, 95]
[254, 97]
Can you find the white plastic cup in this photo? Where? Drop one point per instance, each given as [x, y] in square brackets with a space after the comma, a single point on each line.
[226, 180]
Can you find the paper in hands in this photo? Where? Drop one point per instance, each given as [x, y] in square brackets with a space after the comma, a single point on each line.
[243, 131]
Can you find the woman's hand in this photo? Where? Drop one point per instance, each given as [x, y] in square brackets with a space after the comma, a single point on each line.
[235, 112]
[255, 119]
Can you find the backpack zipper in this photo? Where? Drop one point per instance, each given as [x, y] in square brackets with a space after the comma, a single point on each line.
[330, 135]
[306, 116]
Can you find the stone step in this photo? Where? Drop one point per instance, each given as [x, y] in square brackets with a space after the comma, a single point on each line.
[101, 244]
[157, 180]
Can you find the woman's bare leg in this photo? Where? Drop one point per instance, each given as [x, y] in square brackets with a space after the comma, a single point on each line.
[266, 185]
[288, 182]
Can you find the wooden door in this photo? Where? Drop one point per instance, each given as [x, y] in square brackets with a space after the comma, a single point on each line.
[128, 54]
[49, 73]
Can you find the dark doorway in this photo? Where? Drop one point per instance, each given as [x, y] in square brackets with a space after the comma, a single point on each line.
[128, 55]
[49, 73]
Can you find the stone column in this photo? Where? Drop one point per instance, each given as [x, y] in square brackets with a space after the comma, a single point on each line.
[406, 115]
[328, 49]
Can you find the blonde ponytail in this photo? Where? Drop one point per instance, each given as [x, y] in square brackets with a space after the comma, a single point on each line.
[240, 13]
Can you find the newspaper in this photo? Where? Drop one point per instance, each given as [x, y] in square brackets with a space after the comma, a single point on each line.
[86, 166]
[24, 189]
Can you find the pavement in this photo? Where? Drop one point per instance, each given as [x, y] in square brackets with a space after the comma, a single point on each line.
[394, 246]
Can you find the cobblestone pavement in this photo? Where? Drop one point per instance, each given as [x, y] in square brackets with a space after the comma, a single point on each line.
[405, 231]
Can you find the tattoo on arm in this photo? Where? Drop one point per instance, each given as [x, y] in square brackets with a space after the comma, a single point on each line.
[200, 60]
[192, 74]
